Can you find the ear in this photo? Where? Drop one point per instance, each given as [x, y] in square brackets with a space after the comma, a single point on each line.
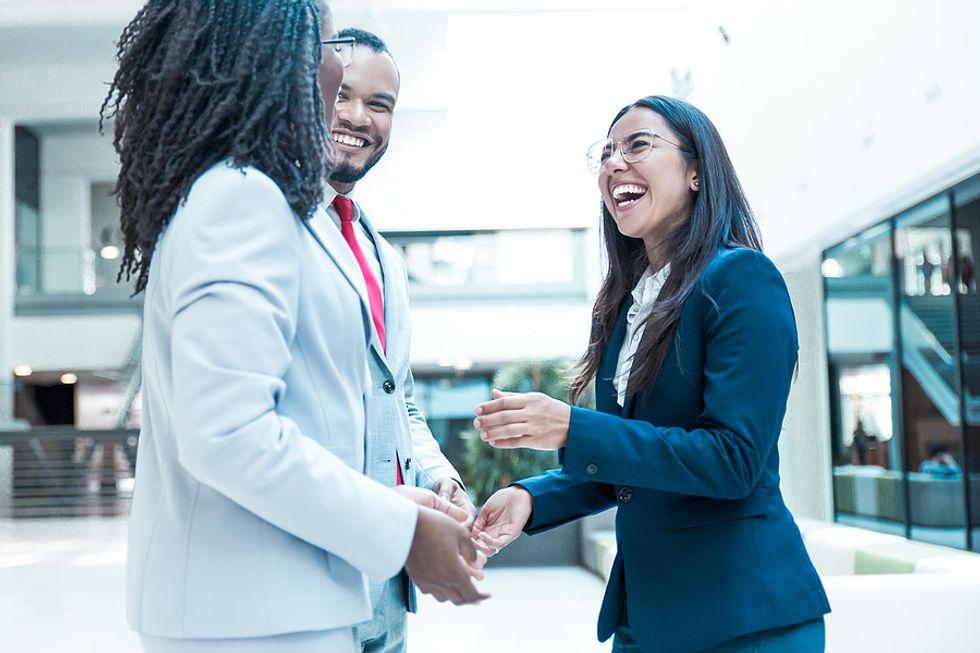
[694, 181]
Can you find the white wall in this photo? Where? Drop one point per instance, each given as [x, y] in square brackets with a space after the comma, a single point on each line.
[804, 445]
[839, 113]
[68, 344]
[7, 271]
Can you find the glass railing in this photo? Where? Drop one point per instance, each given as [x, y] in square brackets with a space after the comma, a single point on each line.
[511, 264]
[71, 279]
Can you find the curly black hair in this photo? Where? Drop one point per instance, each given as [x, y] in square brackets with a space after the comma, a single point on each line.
[202, 81]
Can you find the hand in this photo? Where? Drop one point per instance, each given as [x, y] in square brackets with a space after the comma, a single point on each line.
[437, 502]
[449, 489]
[442, 560]
[530, 420]
[502, 518]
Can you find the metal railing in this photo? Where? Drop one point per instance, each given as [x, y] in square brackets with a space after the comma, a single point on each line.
[65, 472]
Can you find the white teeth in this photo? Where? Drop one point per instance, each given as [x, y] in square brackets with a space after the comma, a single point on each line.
[348, 140]
[628, 189]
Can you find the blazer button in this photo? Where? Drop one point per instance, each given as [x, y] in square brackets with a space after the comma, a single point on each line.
[626, 494]
[388, 386]
[591, 469]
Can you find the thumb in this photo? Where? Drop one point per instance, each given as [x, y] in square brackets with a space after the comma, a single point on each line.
[497, 394]
[446, 506]
[466, 548]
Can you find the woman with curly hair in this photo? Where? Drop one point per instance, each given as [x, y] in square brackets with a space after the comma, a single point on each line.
[252, 526]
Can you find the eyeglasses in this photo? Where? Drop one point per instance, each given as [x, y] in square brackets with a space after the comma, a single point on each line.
[343, 47]
[635, 147]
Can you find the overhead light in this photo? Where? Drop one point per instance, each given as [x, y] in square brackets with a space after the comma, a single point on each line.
[69, 378]
[832, 269]
[463, 364]
[23, 370]
[109, 252]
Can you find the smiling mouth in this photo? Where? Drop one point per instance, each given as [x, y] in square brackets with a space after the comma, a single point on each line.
[627, 194]
[350, 141]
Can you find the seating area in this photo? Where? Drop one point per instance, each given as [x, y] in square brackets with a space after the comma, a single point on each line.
[887, 593]
[935, 501]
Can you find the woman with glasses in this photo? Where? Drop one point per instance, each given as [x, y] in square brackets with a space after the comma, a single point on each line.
[692, 354]
[253, 527]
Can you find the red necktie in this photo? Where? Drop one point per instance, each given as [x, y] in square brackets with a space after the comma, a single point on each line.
[345, 210]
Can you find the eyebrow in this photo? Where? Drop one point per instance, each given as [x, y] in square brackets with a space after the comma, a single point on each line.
[376, 96]
[384, 96]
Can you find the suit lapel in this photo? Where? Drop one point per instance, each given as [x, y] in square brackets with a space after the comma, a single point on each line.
[605, 389]
[332, 242]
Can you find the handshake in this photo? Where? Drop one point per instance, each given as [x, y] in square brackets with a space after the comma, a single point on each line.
[451, 544]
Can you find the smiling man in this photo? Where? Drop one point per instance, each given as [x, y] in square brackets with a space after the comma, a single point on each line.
[400, 447]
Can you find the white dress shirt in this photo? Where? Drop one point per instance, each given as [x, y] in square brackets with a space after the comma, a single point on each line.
[644, 295]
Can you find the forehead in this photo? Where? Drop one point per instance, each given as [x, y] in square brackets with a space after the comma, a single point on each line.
[639, 118]
[373, 72]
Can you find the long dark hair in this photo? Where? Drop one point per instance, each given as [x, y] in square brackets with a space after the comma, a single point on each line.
[721, 217]
[201, 81]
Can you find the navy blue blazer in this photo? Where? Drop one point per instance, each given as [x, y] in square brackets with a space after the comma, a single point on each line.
[707, 550]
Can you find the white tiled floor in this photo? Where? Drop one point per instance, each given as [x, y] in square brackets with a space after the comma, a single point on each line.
[62, 585]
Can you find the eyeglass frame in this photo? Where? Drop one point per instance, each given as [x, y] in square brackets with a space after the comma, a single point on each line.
[346, 40]
[618, 145]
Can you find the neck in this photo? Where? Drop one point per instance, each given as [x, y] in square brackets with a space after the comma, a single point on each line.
[656, 255]
[343, 189]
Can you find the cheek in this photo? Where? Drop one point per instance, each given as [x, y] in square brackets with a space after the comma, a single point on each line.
[603, 185]
[331, 74]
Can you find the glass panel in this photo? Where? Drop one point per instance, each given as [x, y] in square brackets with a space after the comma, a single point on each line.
[67, 222]
[930, 374]
[968, 231]
[519, 261]
[867, 453]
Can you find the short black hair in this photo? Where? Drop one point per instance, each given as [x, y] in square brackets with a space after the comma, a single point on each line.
[365, 38]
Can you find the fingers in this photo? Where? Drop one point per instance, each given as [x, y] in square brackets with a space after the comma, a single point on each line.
[503, 401]
[520, 442]
[506, 431]
[467, 549]
[445, 505]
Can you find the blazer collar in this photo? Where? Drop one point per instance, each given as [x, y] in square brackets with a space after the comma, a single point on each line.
[324, 232]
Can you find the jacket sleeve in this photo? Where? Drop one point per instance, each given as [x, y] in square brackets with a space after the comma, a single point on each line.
[234, 288]
[560, 498]
[750, 353]
[431, 463]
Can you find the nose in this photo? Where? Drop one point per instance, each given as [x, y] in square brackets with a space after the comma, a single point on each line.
[353, 114]
[615, 162]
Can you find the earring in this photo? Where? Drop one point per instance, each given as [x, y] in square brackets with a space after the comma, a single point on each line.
[697, 184]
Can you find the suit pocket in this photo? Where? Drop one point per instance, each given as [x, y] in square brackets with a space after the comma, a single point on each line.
[692, 512]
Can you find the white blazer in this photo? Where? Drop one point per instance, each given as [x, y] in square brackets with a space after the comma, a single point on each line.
[251, 514]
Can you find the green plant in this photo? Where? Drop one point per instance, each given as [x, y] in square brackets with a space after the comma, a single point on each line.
[486, 469]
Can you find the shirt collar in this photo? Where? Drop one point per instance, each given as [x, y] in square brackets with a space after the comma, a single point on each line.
[329, 193]
[649, 285]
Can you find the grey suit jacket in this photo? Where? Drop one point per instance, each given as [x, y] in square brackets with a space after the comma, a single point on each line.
[395, 423]
[252, 515]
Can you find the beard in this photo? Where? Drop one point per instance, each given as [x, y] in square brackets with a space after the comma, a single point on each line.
[344, 173]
